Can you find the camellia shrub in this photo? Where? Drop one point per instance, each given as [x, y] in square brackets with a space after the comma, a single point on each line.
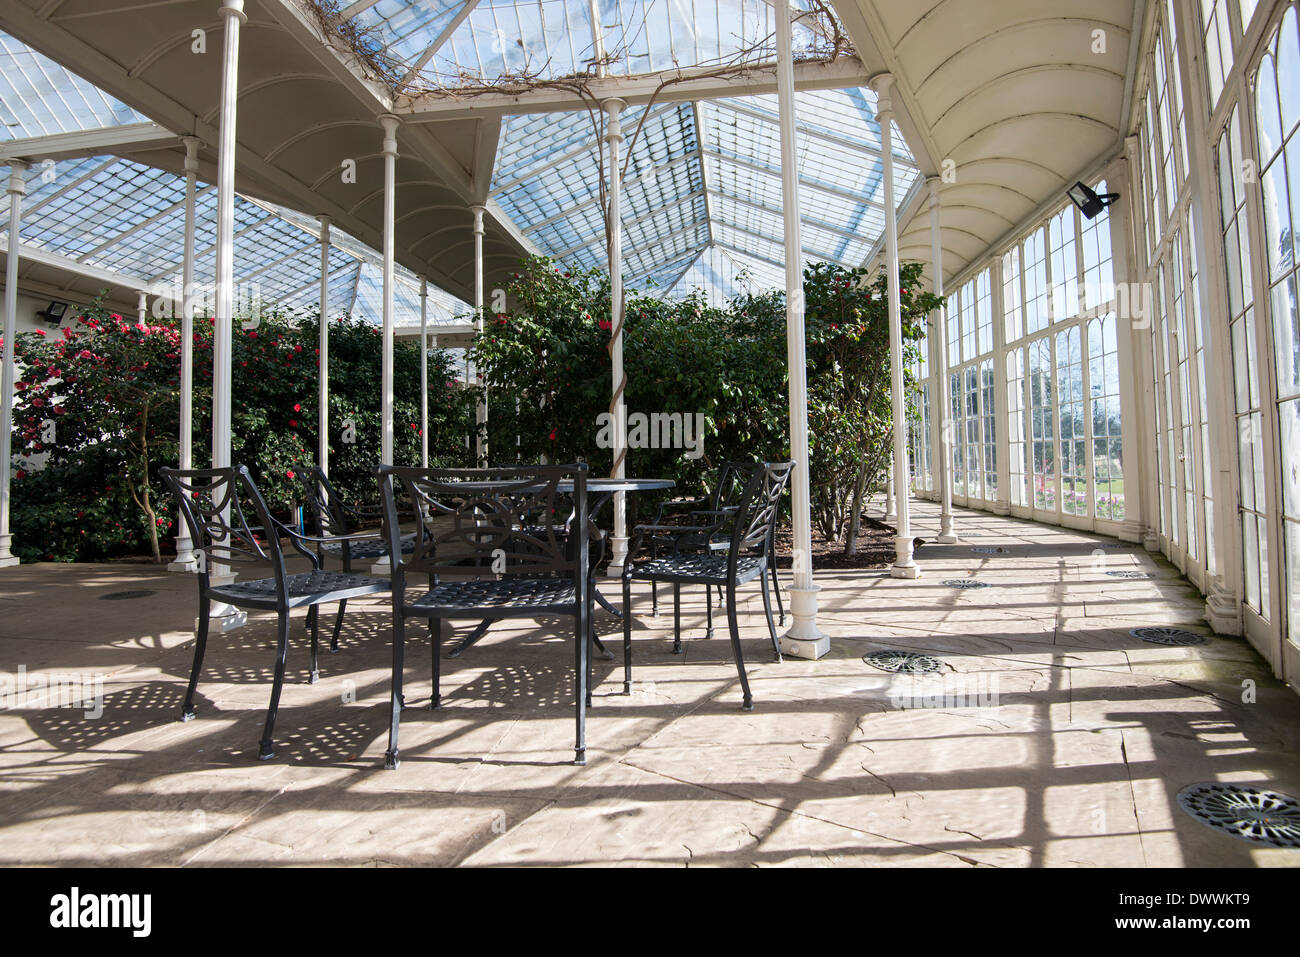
[721, 370]
[98, 414]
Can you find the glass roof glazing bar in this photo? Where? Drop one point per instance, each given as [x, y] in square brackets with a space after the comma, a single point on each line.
[704, 174]
[803, 180]
[595, 198]
[439, 42]
[759, 207]
[292, 254]
[61, 191]
[360, 6]
[628, 223]
[143, 224]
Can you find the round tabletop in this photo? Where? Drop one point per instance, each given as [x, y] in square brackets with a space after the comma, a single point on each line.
[627, 484]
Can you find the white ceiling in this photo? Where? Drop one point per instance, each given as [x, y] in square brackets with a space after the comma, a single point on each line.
[1011, 91]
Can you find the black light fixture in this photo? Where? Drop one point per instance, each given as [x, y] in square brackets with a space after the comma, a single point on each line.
[1089, 203]
[54, 312]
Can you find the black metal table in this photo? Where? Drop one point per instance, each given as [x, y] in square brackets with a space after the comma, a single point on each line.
[600, 491]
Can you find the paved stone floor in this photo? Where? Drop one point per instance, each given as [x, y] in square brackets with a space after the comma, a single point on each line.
[1050, 738]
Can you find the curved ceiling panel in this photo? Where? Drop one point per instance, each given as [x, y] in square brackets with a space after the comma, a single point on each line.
[1022, 96]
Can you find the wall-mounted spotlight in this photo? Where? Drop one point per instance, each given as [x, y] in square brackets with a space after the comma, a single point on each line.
[1089, 203]
[54, 312]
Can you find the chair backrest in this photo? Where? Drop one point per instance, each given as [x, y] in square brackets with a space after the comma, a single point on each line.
[485, 521]
[759, 507]
[325, 504]
[733, 481]
[213, 502]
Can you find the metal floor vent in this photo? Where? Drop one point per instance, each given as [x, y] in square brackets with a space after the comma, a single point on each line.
[965, 583]
[1126, 573]
[125, 595]
[903, 662]
[1250, 813]
[1162, 635]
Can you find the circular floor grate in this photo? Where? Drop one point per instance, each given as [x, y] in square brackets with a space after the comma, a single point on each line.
[1250, 813]
[989, 550]
[965, 583]
[125, 595]
[1168, 636]
[1125, 573]
[902, 662]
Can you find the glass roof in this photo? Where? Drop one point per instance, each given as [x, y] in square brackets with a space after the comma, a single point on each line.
[38, 97]
[129, 219]
[705, 176]
[432, 44]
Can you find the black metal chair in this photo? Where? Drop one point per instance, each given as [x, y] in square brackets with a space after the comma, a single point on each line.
[494, 544]
[749, 531]
[340, 539]
[733, 478]
[212, 502]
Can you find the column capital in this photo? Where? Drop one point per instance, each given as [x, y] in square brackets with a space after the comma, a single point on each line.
[934, 183]
[478, 212]
[424, 287]
[192, 144]
[883, 84]
[17, 178]
[614, 128]
[234, 8]
[390, 123]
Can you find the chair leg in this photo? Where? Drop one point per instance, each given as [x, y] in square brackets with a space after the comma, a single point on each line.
[593, 641]
[748, 703]
[399, 649]
[435, 639]
[200, 646]
[338, 627]
[776, 587]
[708, 608]
[654, 601]
[582, 642]
[627, 636]
[314, 614]
[767, 610]
[265, 751]
[677, 618]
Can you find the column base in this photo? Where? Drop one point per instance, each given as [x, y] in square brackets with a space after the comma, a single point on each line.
[1131, 532]
[382, 568]
[1223, 610]
[7, 558]
[1151, 541]
[948, 539]
[912, 571]
[804, 639]
[185, 560]
[617, 557]
[1002, 507]
[947, 534]
[890, 518]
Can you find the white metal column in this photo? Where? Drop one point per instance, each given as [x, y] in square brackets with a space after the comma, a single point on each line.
[323, 340]
[389, 123]
[804, 639]
[17, 190]
[225, 617]
[185, 561]
[943, 472]
[617, 404]
[480, 407]
[424, 373]
[905, 566]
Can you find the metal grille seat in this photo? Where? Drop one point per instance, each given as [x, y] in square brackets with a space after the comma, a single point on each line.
[213, 504]
[494, 543]
[748, 529]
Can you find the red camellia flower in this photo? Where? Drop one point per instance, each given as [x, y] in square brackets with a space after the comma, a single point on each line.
[293, 423]
[289, 474]
[297, 407]
[552, 435]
